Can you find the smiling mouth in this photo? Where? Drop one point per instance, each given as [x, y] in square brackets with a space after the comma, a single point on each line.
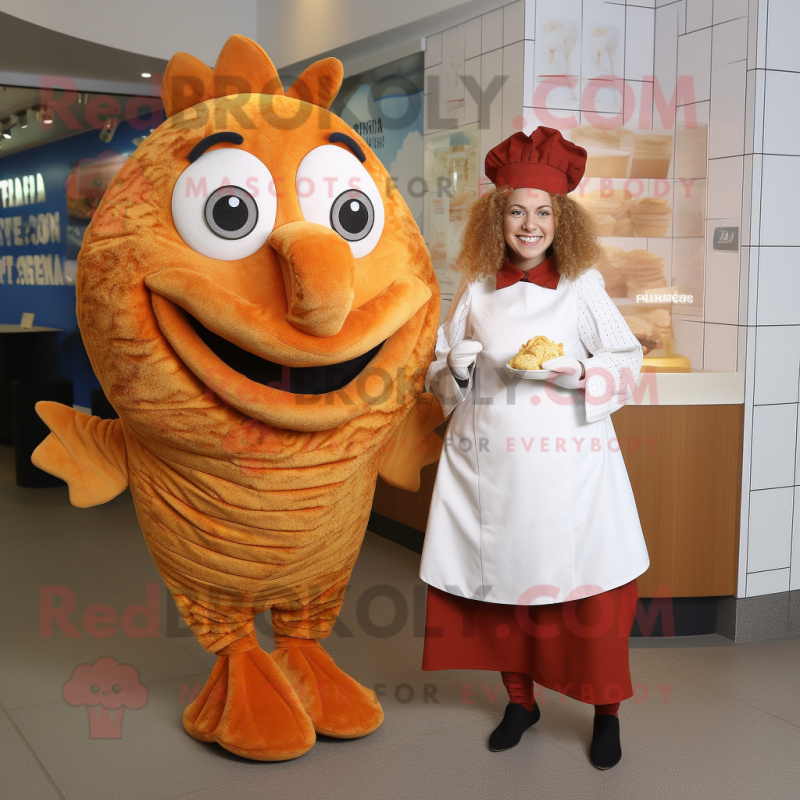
[529, 239]
[295, 380]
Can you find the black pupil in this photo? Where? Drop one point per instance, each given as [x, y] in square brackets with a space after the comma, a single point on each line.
[353, 216]
[230, 213]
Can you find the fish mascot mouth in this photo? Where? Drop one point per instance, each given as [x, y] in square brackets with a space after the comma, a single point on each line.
[296, 380]
[287, 379]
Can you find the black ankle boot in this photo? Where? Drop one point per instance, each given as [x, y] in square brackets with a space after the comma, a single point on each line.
[605, 751]
[515, 722]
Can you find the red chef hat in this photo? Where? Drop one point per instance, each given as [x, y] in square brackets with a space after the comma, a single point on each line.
[544, 160]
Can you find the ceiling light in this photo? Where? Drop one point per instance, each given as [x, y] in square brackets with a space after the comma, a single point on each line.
[47, 115]
[23, 119]
[146, 75]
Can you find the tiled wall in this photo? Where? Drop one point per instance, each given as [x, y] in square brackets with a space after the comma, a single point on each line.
[770, 318]
[743, 61]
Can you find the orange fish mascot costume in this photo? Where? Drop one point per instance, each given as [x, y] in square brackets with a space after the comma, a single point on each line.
[260, 309]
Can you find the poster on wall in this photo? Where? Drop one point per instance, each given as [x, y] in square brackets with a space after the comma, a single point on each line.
[453, 180]
[48, 195]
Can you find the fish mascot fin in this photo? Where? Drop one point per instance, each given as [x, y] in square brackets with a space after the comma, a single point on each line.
[86, 452]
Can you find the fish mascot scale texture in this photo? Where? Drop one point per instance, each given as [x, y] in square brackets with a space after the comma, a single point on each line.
[260, 308]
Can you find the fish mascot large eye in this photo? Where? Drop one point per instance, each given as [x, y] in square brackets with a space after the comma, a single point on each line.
[260, 309]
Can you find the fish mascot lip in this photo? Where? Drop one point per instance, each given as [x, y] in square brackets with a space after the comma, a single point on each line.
[260, 308]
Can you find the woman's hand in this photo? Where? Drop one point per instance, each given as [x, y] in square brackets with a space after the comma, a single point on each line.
[462, 357]
[567, 371]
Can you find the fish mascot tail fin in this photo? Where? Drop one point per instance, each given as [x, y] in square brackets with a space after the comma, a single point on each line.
[249, 708]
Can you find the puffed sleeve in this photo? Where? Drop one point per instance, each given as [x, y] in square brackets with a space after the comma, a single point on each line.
[616, 360]
[439, 380]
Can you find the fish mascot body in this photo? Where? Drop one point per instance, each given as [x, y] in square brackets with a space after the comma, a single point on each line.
[260, 309]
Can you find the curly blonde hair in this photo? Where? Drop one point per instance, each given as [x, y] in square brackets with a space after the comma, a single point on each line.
[483, 245]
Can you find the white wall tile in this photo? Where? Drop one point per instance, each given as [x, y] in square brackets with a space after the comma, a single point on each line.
[747, 199]
[795, 568]
[491, 111]
[781, 113]
[452, 81]
[639, 43]
[688, 255]
[721, 297]
[754, 111]
[689, 340]
[492, 30]
[748, 275]
[719, 347]
[472, 78]
[741, 352]
[751, 201]
[783, 22]
[513, 61]
[774, 441]
[694, 63]
[759, 12]
[699, 14]
[638, 105]
[726, 128]
[770, 529]
[797, 469]
[552, 59]
[666, 62]
[528, 70]
[778, 286]
[771, 582]
[724, 187]
[434, 117]
[563, 121]
[603, 39]
[433, 50]
[729, 9]
[688, 210]
[730, 42]
[752, 33]
[472, 38]
[530, 19]
[691, 141]
[779, 186]
[514, 22]
[777, 363]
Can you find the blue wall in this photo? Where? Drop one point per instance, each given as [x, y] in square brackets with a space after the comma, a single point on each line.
[31, 284]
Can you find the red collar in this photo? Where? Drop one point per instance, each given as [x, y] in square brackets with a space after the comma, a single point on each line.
[545, 275]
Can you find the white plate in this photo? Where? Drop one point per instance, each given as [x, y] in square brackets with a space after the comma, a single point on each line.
[530, 374]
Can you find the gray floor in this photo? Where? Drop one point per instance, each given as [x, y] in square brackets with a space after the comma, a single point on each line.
[712, 719]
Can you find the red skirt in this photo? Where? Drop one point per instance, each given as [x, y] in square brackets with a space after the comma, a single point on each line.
[579, 648]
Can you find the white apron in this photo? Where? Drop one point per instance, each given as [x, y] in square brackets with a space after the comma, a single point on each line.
[532, 503]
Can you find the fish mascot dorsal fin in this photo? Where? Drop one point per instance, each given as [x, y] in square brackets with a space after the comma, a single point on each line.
[318, 84]
[187, 82]
[242, 67]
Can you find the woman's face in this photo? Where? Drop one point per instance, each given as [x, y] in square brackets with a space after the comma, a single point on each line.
[528, 226]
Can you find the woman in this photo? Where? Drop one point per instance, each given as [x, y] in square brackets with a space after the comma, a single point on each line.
[533, 541]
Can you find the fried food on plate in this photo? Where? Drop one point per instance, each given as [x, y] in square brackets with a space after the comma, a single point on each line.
[535, 352]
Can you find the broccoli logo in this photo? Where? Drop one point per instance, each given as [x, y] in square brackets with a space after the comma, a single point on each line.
[106, 688]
